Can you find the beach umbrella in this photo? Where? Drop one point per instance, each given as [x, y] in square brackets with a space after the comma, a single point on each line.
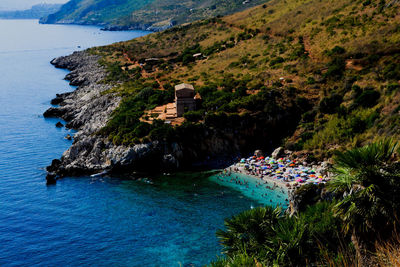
[299, 180]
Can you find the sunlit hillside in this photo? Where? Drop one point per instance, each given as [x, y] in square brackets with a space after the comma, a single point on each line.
[335, 63]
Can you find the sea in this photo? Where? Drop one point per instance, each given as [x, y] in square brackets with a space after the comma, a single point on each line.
[168, 220]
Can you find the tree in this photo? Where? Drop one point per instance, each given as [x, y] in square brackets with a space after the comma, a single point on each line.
[369, 180]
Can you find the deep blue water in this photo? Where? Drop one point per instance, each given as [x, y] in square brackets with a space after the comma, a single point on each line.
[85, 221]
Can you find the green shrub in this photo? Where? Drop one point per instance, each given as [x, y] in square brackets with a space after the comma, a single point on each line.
[335, 68]
[310, 80]
[392, 87]
[329, 105]
[194, 116]
[357, 125]
[276, 61]
[337, 50]
[368, 98]
[391, 71]
[309, 116]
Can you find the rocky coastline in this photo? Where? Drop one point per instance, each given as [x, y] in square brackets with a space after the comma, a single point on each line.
[138, 27]
[87, 110]
[111, 27]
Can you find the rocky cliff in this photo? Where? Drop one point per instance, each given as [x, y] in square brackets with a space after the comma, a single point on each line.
[87, 110]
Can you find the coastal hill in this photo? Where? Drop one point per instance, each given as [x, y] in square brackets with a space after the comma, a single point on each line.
[143, 14]
[313, 76]
[35, 12]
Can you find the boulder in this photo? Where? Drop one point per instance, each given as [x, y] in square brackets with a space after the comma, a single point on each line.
[55, 164]
[51, 178]
[278, 153]
[258, 153]
[59, 125]
[169, 162]
[53, 113]
[68, 137]
[59, 98]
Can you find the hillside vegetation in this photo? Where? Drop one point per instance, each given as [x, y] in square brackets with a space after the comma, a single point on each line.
[143, 14]
[332, 67]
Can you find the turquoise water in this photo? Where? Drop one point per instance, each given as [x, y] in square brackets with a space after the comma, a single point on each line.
[263, 192]
[85, 221]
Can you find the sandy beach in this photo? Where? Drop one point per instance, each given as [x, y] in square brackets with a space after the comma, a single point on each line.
[266, 178]
[283, 172]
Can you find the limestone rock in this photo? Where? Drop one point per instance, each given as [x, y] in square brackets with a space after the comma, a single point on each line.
[278, 153]
[51, 178]
[258, 153]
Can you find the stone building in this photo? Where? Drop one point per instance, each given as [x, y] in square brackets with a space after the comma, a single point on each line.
[184, 99]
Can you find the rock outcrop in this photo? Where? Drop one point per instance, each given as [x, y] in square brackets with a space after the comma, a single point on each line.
[87, 110]
[279, 152]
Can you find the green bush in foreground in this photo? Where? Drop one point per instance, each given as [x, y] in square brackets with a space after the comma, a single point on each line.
[368, 177]
[268, 236]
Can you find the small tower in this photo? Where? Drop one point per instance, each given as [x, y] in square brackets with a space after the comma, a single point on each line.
[184, 99]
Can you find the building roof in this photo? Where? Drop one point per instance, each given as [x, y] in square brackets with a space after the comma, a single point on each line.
[183, 86]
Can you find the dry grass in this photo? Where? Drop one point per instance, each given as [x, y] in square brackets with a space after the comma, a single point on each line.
[388, 253]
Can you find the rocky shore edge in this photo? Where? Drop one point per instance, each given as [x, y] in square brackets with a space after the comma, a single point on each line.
[87, 110]
[113, 27]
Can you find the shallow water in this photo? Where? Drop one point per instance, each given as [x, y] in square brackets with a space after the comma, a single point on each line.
[264, 192]
[86, 221]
